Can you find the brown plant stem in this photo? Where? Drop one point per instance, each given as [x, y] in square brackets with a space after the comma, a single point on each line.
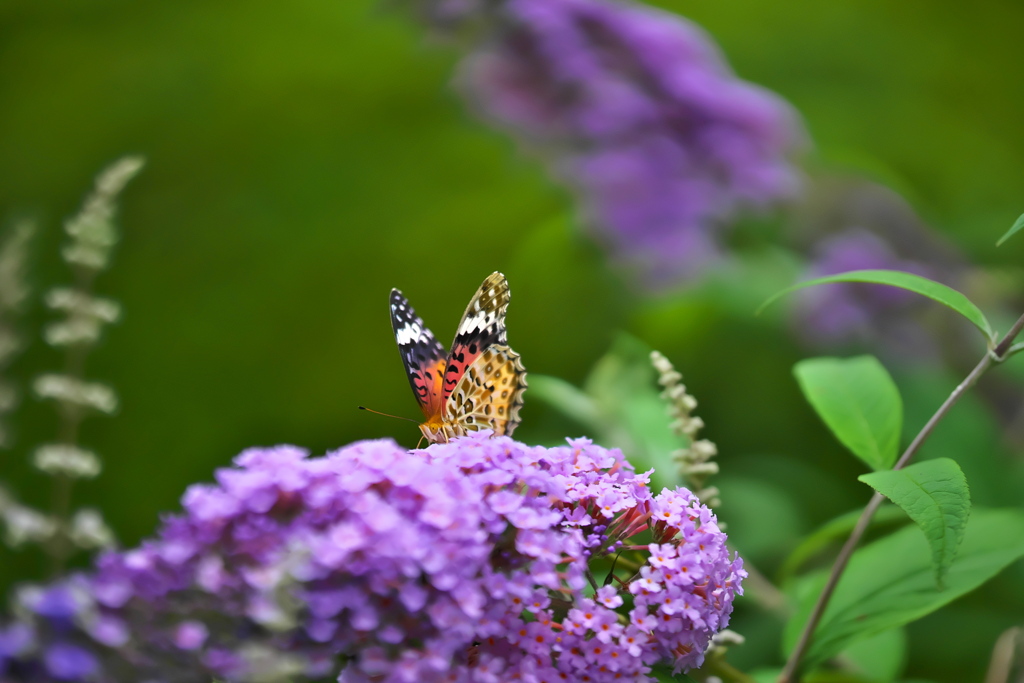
[1003, 655]
[996, 354]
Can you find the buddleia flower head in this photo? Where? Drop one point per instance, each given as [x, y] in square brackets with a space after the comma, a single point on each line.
[473, 560]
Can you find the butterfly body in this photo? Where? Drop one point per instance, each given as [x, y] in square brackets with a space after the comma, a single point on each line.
[480, 383]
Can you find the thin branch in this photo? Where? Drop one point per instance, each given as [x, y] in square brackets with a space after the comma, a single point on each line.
[1002, 347]
[996, 354]
[1003, 654]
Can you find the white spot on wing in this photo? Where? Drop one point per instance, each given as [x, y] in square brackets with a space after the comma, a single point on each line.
[409, 334]
[479, 320]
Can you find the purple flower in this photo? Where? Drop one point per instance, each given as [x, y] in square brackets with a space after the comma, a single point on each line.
[859, 225]
[844, 310]
[876, 315]
[636, 110]
[67, 662]
[466, 561]
[57, 603]
[190, 635]
[15, 640]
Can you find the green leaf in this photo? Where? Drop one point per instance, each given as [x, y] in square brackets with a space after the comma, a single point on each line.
[1017, 227]
[766, 675]
[833, 531]
[620, 405]
[624, 386]
[947, 296]
[891, 582]
[935, 495]
[858, 401]
[880, 657]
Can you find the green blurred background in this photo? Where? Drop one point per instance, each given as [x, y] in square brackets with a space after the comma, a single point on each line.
[305, 157]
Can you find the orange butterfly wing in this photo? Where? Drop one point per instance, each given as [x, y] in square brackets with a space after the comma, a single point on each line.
[422, 355]
[482, 326]
[490, 393]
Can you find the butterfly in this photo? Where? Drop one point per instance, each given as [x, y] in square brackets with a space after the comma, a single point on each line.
[480, 383]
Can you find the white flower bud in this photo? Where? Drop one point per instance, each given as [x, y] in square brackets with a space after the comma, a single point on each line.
[701, 469]
[704, 448]
[88, 530]
[727, 637]
[661, 363]
[670, 377]
[87, 256]
[80, 303]
[93, 225]
[25, 525]
[675, 393]
[72, 332]
[694, 461]
[709, 492]
[70, 390]
[65, 459]
[114, 177]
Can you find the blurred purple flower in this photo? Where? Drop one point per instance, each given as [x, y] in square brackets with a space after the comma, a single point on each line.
[840, 312]
[466, 562]
[15, 640]
[66, 662]
[57, 603]
[887, 234]
[637, 111]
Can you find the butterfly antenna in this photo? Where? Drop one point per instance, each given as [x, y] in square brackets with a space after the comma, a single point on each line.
[397, 417]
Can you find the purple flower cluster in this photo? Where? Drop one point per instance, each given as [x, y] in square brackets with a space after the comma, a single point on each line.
[480, 560]
[638, 112]
[54, 637]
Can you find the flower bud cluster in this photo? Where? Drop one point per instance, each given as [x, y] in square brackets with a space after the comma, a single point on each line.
[23, 524]
[92, 234]
[92, 229]
[695, 460]
[13, 292]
